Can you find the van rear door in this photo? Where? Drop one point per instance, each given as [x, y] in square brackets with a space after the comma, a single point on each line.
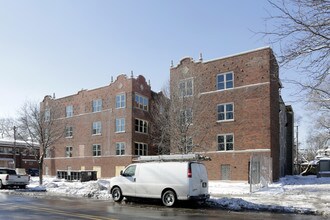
[198, 180]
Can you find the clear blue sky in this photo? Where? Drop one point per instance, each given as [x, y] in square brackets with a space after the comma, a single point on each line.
[63, 46]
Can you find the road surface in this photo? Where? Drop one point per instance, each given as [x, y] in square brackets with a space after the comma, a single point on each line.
[27, 207]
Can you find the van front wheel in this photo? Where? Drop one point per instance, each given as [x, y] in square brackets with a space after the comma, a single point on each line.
[168, 198]
[117, 196]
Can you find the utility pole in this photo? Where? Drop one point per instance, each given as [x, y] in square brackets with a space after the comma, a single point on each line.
[297, 149]
[14, 151]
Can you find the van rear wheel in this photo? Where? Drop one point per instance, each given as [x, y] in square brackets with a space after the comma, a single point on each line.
[168, 198]
[117, 195]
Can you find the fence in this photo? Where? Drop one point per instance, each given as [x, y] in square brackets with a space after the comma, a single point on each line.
[81, 175]
[260, 172]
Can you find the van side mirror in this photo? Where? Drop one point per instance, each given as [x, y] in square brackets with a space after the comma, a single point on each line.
[121, 173]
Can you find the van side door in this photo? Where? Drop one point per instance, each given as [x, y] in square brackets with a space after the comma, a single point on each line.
[128, 179]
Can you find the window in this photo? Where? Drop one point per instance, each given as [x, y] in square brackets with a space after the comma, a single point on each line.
[186, 117]
[141, 149]
[120, 124]
[225, 142]
[130, 171]
[141, 102]
[96, 127]
[68, 151]
[186, 87]
[69, 131]
[120, 148]
[225, 112]
[225, 81]
[69, 111]
[120, 101]
[96, 150]
[47, 115]
[141, 126]
[97, 105]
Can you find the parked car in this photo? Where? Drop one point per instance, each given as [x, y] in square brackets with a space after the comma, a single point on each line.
[33, 171]
[168, 181]
[9, 178]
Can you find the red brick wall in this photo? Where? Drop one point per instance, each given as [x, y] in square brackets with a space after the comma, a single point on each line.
[107, 164]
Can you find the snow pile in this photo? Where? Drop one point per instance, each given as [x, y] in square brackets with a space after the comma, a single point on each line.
[92, 189]
[292, 194]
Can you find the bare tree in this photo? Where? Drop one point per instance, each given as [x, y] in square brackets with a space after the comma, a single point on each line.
[6, 127]
[316, 141]
[186, 114]
[38, 124]
[302, 29]
[160, 126]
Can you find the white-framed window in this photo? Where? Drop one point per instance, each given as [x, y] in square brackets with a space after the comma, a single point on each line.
[141, 126]
[97, 105]
[141, 102]
[225, 142]
[141, 149]
[225, 112]
[96, 150]
[186, 87]
[225, 81]
[121, 100]
[97, 128]
[186, 117]
[69, 111]
[120, 148]
[68, 131]
[68, 151]
[47, 115]
[120, 124]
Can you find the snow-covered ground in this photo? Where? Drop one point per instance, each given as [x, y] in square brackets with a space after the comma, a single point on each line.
[292, 194]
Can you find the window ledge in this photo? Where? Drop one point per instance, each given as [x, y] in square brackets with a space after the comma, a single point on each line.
[100, 134]
[138, 132]
[120, 132]
[225, 89]
[224, 121]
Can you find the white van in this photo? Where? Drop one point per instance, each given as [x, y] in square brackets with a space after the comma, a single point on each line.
[168, 181]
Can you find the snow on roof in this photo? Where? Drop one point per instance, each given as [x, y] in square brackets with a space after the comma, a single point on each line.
[8, 141]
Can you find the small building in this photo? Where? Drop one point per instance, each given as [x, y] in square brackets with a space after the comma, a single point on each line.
[323, 167]
[23, 158]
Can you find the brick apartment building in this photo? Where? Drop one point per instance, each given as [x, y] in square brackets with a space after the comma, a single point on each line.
[104, 127]
[240, 114]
